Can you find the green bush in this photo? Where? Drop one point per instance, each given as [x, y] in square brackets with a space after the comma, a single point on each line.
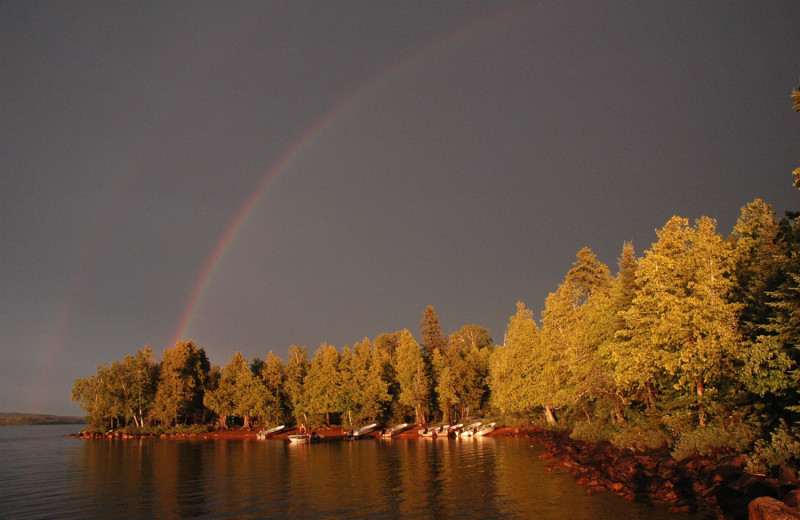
[783, 447]
[592, 431]
[713, 440]
[639, 437]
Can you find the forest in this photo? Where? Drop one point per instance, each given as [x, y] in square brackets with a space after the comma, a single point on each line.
[693, 345]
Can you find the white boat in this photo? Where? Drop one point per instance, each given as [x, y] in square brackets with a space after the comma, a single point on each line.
[263, 434]
[364, 430]
[305, 437]
[394, 430]
[452, 431]
[469, 430]
[486, 429]
[437, 431]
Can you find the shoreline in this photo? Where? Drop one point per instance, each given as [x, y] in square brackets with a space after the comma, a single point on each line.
[718, 485]
[330, 433]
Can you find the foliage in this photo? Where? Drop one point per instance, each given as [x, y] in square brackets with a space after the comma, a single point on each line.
[694, 346]
[782, 447]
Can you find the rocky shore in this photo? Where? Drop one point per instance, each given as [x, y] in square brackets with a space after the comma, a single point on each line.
[719, 486]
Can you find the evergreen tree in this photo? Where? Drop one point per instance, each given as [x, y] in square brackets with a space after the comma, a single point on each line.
[432, 337]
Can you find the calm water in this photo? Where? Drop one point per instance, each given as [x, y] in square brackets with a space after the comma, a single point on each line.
[44, 475]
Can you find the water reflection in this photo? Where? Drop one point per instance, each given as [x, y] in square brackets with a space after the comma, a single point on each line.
[396, 478]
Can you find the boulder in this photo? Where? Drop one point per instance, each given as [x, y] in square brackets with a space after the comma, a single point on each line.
[768, 508]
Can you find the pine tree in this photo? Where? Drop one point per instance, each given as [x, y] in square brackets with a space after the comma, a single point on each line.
[432, 337]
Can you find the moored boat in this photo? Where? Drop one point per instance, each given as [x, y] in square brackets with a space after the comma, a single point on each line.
[453, 431]
[436, 431]
[263, 434]
[363, 431]
[300, 438]
[486, 429]
[394, 430]
[469, 430]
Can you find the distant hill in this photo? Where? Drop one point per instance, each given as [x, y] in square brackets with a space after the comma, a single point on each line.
[27, 419]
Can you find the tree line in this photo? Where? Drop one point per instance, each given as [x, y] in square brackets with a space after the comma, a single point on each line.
[694, 345]
[390, 378]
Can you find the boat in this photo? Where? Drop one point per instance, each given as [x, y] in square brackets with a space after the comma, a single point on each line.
[469, 430]
[363, 431]
[438, 431]
[452, 431]
[263, 434]
[299, 438]
[486, 429]
[394, 430]
[425, 432]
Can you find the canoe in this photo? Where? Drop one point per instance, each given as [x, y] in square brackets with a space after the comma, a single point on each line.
[263, 434]
[394, 430]
[486, 429]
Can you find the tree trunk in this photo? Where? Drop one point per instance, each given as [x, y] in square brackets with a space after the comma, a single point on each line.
[548, 414]
[701, 412]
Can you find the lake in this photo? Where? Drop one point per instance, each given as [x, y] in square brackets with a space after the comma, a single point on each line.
[45, 475]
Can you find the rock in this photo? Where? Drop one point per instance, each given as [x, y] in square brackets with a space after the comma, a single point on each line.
[792, 498]
[768, 508]
[787, 473]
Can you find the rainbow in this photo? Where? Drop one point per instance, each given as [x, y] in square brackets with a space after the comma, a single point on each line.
[441, 44]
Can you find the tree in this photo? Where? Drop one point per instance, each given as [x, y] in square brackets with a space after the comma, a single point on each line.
[588, 274]
[322, 385]
[93, 397]
[136, 379]
[432, 337]
[273, 374]
[181, 387]
[239, 392]
[682, 327]
[296, 369]
[512, 372]
[413, 377]
[462, 371]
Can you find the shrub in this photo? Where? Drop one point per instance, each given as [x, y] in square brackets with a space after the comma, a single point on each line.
[783, 447]
[713, 440]
[640, 437]
[592, 431]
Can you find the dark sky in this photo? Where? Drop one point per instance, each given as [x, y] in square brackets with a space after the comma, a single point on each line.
[393, 155]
